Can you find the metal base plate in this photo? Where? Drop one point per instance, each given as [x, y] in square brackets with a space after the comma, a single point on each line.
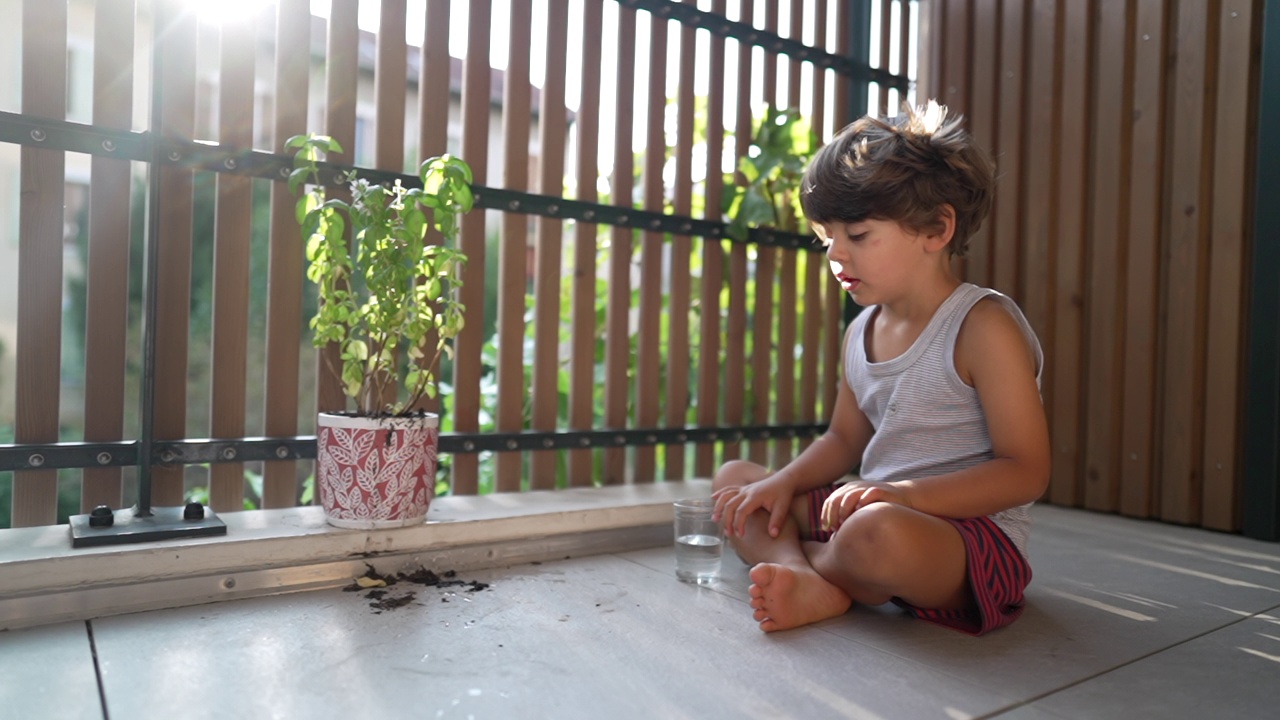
[164, 523]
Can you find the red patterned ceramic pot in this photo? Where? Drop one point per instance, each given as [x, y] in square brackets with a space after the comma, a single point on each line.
[376, 472]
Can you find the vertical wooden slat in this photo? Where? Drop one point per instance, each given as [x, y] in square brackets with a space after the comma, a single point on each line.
[341, 78]
[886, 33]
[42, 174]
[834, 298]
[735, 375]
[709, 360]
[513, 248]
[284, 306]
[583, 360]
[107, 282]
[648, 339]
[1007, 214]
[931, 39]
[390, 74]
[788, 311]
[1068, 253]
[795, 68]
[770, 79]
[956, 63]
[617, 351]
[231, 236]
[475, 150]
[1110, 142]
[433, 117]
[815, 310]
[552, 126]
[766, 271]
[1039, 219]
[982, 114]
[173, 288]
[1187, 217]
[1236, 81]
[678, 355]
[1138, 466]
[905, 49]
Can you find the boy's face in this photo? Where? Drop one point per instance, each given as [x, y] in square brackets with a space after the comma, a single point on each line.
[875, 261]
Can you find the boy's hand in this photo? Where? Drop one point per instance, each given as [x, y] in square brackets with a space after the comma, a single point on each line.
[850, 497]
[735, 504]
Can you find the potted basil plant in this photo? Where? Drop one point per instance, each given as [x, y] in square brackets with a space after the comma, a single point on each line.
[388, 301]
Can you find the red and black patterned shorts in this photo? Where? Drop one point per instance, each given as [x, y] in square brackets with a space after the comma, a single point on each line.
[998, 574]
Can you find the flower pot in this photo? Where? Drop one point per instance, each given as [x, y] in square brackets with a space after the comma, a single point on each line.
[376, 473]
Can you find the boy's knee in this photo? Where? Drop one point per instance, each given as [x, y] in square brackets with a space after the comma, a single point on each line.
[737, 472]
[871, 538]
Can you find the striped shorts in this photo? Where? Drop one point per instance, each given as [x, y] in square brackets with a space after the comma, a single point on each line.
[998, 574]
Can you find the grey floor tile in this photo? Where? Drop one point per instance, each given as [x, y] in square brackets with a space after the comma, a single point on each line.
[47, 672]
[587, 638]
[1230, 673]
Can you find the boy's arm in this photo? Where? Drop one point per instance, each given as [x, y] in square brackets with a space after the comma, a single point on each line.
[991, 355]
[829, 458]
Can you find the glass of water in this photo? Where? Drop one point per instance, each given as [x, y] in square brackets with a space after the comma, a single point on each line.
[699, 541]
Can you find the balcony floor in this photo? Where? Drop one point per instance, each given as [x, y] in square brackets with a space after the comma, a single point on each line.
[1124, 619]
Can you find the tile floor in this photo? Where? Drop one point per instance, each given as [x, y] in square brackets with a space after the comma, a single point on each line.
[1125, 619]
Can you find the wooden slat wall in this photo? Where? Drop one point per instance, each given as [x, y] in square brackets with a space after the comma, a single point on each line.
[512, 260]
[106, 311]
[284, 289]
[44, 62]
[475, 149]
[713, 260]
[582, 364]
[679, 353]
[617, 351]
[175, 213]
[232, 235]
[649, 339]
[552, 128]
[1121, 228]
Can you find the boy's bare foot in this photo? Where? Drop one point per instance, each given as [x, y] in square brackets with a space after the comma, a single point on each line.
[785, 597]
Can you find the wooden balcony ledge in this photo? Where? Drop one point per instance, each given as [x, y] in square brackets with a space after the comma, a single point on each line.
[571, 610]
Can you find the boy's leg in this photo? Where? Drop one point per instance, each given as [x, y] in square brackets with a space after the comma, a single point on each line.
[786, 590]
[885, 551]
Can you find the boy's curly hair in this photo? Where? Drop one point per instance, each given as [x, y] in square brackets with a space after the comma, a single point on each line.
[903, 168]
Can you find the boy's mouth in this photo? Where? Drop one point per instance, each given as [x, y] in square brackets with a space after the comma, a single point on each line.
[848, 283]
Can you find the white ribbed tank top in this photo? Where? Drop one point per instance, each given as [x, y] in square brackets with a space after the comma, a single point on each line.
[927, 420]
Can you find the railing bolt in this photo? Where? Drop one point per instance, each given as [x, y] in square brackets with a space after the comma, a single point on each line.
[682, 437]
[230, 163]
[651, 438]
[512, 444]
[38, 135]
[655, 224]
[102, 516]
[282, 452]
[469, 446]
[36, 460]
[108, 145]
[588, 214]
[548, 443]
[167, 456]
[339, 179]
[622, 219]
[104, 458]
[584, 441]
[228, 583]
[713, 436]
[514, 204]
[175, 156]
[553, 209]
[229, 453]
[686, 227]
[619, 440]
[476, 197]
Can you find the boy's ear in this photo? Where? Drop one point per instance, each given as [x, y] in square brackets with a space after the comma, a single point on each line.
[943, 230]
